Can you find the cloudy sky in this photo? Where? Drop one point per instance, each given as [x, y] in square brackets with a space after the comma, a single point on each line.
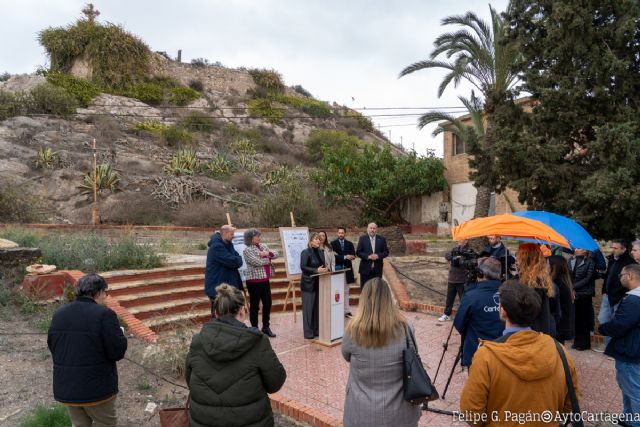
[345, 51]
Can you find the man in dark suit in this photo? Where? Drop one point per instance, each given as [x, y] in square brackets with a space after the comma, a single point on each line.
[345, 253]
[372, 249]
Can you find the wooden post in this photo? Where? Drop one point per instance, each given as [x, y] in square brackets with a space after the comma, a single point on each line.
[228, 218]
[95, 212]
[292, 284]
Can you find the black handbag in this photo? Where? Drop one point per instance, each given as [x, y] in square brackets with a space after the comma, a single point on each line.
[416, 384]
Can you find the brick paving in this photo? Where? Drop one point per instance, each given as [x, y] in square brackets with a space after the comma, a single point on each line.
[317, 375]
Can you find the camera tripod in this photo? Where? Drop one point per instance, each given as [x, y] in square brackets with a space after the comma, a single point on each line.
[445, 347]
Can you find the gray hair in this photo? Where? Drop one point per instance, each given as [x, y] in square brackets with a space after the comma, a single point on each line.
[633, 269]
[636, 243]
[90, 286]
[491, 269]
[250, 234]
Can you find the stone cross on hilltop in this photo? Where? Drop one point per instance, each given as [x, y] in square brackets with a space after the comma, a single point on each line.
[90, 12]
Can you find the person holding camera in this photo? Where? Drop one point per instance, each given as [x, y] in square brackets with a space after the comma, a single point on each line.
[478, 316]
[457, 277]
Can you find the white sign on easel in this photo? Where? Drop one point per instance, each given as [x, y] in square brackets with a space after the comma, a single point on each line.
[239, 246]
[294, 241]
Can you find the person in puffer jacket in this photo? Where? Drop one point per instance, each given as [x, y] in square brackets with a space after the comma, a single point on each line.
[230, 368]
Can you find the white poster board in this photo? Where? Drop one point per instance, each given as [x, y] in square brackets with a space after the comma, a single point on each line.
[294, 241]
[238, 245]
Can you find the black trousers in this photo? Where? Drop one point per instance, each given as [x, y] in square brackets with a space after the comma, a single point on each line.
[310, 315]
[452, 290]
[259, 292]
[583, 310]
[364, 278]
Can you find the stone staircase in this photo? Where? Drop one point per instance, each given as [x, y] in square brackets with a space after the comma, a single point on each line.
[171, 295]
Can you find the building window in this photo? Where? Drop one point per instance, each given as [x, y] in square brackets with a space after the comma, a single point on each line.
[458, 145]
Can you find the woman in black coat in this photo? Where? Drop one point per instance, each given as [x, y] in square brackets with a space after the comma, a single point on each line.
[312, 262]
[562, 279]
[583, 271]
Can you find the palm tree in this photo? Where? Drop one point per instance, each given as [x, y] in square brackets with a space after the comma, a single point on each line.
[477, 53]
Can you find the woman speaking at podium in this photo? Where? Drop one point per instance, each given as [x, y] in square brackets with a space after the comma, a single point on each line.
[311, 262]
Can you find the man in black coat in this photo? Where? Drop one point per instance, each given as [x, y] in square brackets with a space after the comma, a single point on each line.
[345, 253]
[372, 249]
[86, 341]
[612, 289]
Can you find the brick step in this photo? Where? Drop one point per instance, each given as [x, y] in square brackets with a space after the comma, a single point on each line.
[167, 308]
[122, 276]
[166, 322]
[166, 284]
[155, 297]
[151, 306]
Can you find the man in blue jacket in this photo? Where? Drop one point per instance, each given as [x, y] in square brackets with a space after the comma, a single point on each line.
[624, 347]
[223, 262]
[86, 341]
[479, 313]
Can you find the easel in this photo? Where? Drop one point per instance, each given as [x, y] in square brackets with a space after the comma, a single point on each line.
[244, 291]
[292, 282]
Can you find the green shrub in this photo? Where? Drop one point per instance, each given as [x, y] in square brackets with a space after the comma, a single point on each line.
[46, 158]
[279, 175]
[83, 90]
[55, 415]
[321, 139]
[220, 166]
[264, 108]
[118, 58]
[243, 146]
[232, 131]
[16, 205]
[49, 99]
[288, 196]
[197, 121]
[270, 81]
[311, 107]
[106, 179]
[4, 77]
[196, 85]
[176, 135]
[88, 252]
[149, 93]
[365, 123]
[302, 91]
[183, 95]
[183, 162]
[166, 82]
[8, 105]
[153, 126]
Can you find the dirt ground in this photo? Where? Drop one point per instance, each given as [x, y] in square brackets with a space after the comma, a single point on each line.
[26, 378]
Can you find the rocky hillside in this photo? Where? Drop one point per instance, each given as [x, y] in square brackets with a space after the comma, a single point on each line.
[233, 149]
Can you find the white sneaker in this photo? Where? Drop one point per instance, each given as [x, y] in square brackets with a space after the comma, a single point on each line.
[444, 318]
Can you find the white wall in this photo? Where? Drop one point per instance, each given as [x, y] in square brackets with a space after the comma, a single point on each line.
[463, 202]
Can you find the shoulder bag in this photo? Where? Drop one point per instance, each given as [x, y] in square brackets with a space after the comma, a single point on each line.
[416, 384]
[575, 407]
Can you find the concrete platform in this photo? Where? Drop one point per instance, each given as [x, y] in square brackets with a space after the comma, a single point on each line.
[317, 375]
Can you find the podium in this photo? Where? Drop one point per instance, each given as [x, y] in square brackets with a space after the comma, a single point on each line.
[331, 307]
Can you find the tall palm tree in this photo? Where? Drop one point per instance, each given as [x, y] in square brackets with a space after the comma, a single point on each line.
[477, 53]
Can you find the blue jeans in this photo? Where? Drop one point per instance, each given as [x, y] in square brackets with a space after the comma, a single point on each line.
[628, 376]
[606, 314]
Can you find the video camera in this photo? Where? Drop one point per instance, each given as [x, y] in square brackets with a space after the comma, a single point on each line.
[466, 259]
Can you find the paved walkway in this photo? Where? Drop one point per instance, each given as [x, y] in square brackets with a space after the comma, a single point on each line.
[317, 375]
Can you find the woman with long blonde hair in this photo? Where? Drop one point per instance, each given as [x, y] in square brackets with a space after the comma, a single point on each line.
[534, 272]
[373, 344]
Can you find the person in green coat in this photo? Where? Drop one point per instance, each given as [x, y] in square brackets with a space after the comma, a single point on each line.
[230, 368]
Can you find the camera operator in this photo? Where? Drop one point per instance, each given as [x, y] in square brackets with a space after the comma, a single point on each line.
[457, 277]
[478, 316]
[496, 249]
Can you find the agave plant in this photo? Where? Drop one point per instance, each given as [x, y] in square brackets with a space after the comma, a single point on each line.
[106, 179]
[219, 166]
[46, 158]
[183, 162]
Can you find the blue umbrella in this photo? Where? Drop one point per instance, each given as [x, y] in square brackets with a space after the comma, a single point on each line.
[576, 235]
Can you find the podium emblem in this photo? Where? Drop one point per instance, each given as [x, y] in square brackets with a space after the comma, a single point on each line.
[337, 296]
